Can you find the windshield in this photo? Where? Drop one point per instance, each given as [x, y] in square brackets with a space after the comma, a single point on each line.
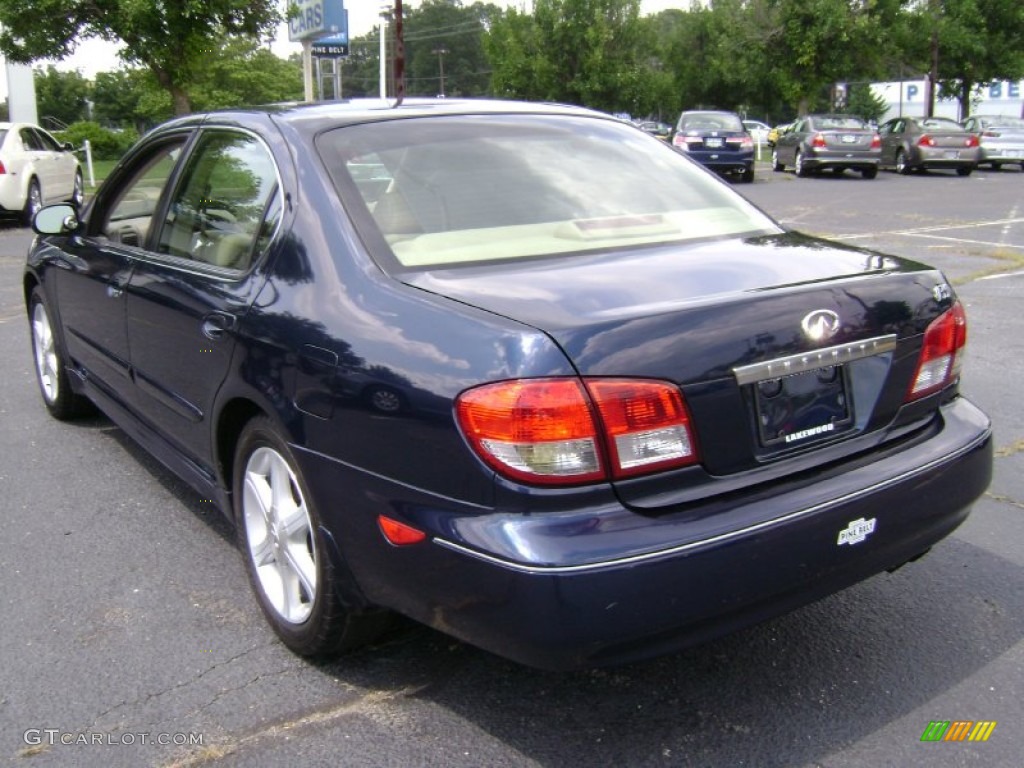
[443, 190]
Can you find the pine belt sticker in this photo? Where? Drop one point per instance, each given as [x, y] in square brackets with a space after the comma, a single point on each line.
[856, 531]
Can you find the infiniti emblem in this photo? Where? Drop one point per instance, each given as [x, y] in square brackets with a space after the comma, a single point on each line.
[821, 324]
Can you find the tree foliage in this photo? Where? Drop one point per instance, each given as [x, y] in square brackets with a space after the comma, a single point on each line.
[976, 42]
[172, 39]
[590, 52]
[61, 96]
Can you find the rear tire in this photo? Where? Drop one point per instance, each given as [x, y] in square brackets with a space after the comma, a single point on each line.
[287, 555]
[869, 173]
[799, 167]
[33, 202]
[78, 193]
[51, 370]
[902, 166]
[748, 176]
[964, 171]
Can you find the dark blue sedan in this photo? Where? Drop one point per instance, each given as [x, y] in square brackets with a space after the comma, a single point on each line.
[464, 362]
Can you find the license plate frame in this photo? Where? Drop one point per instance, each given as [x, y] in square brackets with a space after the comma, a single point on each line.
[803, 409]
[714, 143]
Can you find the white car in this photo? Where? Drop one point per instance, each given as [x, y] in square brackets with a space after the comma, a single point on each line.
[35, 169]
[757, 130]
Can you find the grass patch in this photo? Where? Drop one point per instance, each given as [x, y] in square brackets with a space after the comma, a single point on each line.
[101, 169]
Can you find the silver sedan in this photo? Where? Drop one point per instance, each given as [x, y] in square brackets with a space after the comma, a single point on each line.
[1001, 138]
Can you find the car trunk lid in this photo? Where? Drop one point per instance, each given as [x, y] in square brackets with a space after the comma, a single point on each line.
[784, 346]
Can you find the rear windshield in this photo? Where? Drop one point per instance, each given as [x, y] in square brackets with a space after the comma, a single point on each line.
[838, 123]
[709, 121]
[1006, 122]
[444, 190]
[941, 124]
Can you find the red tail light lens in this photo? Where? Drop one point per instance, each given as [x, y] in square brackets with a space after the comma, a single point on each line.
[646, 425]
[2, 169]
[941, 353]
[568, 431]
[972, 141]
[876, 142]
[926, 141]
[818, 141]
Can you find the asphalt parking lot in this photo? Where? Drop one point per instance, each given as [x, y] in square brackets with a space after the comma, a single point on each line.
[130, 637]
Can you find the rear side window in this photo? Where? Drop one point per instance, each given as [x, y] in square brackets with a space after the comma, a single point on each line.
[445, 190]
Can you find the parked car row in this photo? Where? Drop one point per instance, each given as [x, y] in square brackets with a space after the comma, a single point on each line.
[837, 143]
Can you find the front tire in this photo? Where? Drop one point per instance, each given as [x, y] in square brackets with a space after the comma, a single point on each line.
[51, 371]
[286, 553]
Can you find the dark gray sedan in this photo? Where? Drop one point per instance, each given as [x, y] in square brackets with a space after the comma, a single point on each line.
[917, 144]
[833, 142]
[1001, 138]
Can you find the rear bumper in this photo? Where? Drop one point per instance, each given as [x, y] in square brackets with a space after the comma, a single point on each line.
[607, 586]
[725, 162]
[838, 159]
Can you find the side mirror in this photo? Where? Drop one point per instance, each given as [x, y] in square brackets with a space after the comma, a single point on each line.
[56, 220]
[68, 147]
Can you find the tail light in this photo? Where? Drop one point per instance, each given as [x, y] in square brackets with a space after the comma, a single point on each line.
[876, 142]
[818, 141]
[684, 142]
[745, 141]
[926, 141]
[971, 141]
[571, 431]
[941, 353]
[2, 169]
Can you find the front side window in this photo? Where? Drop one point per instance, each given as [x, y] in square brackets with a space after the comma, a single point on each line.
[445, 190]
[128, 216]
[217, 211]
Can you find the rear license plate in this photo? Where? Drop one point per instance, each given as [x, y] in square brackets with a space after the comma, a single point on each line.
[1014, 153]
[849, 139]
[802, 409]
[952, 155]
[713, 143]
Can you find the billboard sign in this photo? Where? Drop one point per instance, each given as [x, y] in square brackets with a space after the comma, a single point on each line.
[317, 18]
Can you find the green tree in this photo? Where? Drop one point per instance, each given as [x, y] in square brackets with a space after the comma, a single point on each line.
[967, 43]
[62, 96]
[590, 52]
[172, 39]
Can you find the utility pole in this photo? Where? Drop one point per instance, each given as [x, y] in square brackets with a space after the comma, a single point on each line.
[399, 55]
[440, 63]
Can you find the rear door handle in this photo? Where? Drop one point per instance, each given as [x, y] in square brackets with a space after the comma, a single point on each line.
[216, 324]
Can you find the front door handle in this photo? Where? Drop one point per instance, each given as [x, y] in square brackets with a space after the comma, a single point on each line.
[216, 324]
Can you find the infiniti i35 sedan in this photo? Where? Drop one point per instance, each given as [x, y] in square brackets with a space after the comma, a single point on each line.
[462, 361]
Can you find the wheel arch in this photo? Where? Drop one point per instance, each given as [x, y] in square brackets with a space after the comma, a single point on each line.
[232, 419]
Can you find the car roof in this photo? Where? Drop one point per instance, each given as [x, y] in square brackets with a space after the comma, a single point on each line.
[317, 116]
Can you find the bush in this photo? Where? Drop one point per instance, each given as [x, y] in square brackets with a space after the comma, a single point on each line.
[106, 144]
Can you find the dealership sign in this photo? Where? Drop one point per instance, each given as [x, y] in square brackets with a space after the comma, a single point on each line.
[317, 18]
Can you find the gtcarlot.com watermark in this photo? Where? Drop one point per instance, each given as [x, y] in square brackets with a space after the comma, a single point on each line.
[49, 737]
